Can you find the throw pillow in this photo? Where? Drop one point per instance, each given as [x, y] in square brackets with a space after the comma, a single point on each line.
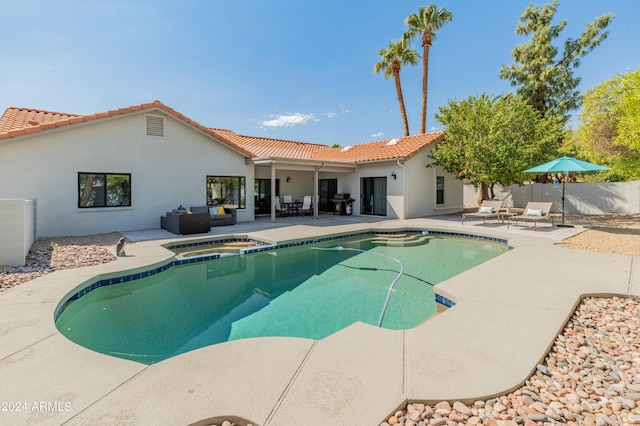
[486, 210]
[221, 210]
[213, 211]
[531, 212]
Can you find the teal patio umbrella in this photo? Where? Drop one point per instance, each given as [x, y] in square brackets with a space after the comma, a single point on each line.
[566, 165]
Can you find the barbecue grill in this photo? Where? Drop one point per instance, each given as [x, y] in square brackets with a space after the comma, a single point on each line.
[342, 204]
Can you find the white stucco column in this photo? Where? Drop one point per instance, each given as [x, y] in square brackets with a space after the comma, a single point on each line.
[273, 193]
[316, 202]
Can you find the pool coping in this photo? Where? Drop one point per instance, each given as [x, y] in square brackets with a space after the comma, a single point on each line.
[508, 312]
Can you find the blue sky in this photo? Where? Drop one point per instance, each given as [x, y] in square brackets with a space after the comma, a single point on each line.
[287, 69]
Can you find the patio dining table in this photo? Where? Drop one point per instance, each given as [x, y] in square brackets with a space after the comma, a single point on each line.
[293, 209]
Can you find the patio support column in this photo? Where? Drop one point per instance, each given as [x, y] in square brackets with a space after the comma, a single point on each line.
[273, 193]
[405, 190]
[316, 201]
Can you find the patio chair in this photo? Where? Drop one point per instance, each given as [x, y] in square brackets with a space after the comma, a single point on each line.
[488, 209]
[279, 210]
[306, 205]
[534, 212]
[287, 199]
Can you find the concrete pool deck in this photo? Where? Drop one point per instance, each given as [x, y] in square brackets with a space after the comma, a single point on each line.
[507, 314]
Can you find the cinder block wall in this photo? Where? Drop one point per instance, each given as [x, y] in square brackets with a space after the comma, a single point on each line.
[580, 198]
[17, 231]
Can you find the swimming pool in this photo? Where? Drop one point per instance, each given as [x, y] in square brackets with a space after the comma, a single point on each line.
[298, 291]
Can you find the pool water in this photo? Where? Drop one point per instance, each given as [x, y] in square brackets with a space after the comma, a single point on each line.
[297, 291]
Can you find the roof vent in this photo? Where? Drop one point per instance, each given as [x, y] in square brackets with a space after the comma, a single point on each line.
[346, 148]
[33, 122]
[155, 126]
[393, 141]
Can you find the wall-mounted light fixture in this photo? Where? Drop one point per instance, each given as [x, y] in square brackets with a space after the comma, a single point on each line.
[288, 179]
[393, 175]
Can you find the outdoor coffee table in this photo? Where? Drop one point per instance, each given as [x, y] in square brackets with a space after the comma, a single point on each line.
[502, 216]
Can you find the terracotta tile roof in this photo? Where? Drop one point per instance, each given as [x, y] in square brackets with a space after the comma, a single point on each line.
[266, 147]
[21, 121]
[19, 118]
[387, 149]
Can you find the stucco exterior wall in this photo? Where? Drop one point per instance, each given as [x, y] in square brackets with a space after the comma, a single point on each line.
[421, 194]
[165, 172]
[412, 193]
[350, 184]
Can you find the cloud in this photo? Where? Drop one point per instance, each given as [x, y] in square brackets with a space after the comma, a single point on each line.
[289, 120]
[330, 114]
[376, 135]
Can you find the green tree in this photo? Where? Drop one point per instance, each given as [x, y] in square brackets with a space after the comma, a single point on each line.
[630, 105]
[426, 22]
[609, 131]
[545, 78]
[492, 140]
[392, 60]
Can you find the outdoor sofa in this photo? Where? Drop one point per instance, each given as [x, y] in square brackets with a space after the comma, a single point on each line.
[184, 223]
[220, 215]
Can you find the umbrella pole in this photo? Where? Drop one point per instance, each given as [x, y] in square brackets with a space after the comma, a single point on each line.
[564, 178]
[562, 225]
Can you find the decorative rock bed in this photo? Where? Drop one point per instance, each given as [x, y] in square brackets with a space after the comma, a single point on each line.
[590, 377]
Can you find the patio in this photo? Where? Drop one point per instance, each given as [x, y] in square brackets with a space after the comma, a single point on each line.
[278, 381]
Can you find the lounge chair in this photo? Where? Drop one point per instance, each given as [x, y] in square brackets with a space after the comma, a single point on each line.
[534, 212]
[488, 209]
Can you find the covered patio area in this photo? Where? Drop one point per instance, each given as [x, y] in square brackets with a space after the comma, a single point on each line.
[297, 178]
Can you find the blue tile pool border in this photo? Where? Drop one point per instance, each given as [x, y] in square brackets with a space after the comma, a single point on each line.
[263, 247]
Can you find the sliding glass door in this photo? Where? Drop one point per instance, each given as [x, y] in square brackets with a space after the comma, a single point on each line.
[262, 191]
[327, 188]
[373, 196]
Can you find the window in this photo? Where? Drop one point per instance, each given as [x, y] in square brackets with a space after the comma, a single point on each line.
[440, 190]
[228, 191]
[104, 190]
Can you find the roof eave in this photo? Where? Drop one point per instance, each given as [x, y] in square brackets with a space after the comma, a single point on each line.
[302, 161]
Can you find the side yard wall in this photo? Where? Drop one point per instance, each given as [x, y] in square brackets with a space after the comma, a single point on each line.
[580, 198]
[17, 231]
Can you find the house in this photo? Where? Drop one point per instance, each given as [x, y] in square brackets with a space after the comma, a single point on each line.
[122, 169]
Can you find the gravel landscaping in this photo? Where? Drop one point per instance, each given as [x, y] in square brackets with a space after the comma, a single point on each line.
[590, 377]
[51, 254]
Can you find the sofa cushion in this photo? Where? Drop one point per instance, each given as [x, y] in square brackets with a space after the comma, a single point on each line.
[223, 216]
[200, 209]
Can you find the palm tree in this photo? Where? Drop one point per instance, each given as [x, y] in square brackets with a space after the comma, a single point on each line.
[392, 60]
[427, 21]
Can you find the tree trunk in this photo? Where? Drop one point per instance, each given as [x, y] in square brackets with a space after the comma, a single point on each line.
[426, 43]
[483, 193]
[403, 112]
